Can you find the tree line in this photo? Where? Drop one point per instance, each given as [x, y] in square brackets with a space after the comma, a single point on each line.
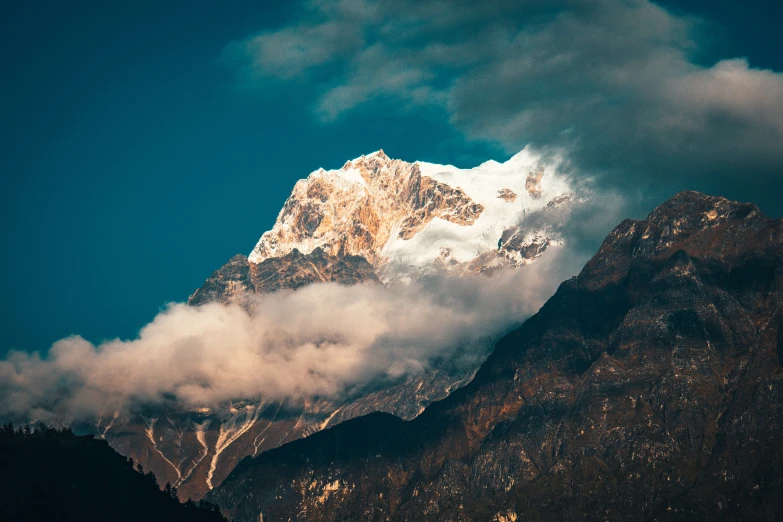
[53, 474]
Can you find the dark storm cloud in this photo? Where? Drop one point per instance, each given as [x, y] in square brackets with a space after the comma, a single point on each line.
[611, 84]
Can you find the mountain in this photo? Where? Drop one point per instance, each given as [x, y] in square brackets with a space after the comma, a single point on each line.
[55, 475]
[376, 220]
[407, 219]
[648, 387]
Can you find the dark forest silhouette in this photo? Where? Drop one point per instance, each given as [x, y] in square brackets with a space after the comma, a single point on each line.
[50, 474]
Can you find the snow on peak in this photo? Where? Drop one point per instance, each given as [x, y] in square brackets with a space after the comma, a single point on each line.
[410, 218]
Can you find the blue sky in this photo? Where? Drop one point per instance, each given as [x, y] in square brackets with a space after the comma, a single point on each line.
[137, 157]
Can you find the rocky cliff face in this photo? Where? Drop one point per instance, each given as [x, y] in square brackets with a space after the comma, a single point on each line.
[239, 278]
[375, 219]
[648, 387]
[356, 210]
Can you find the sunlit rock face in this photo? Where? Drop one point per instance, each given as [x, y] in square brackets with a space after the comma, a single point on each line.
[649, 387]
[359, 208]
[401, 217]
[376, 220]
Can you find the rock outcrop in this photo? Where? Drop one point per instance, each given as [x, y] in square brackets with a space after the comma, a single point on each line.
[239, 278]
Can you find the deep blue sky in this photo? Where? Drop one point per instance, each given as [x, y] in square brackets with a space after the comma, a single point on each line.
[132, 165]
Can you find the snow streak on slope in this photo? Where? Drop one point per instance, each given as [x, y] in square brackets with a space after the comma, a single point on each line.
[200, 428]
[326, 422]
[256, 442]
[100, 429]
[238, 422]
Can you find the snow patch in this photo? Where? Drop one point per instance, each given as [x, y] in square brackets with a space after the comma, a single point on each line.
[325, 423]
[256, 442]
[150, 432]
[233, 426]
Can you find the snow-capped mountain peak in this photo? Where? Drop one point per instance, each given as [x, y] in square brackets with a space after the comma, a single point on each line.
[407, 219]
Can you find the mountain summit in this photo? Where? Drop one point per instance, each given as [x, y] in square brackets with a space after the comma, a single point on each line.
[404, 218]
[387, 219]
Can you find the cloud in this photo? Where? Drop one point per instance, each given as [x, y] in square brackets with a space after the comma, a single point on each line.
[611, 83]
[323, 340]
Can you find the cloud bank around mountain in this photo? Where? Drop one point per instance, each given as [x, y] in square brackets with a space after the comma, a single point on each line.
[321, 340]
[616, 85]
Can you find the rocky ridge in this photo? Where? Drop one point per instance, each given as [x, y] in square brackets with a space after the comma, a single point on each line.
[401, 217]
[355, 211]
[648, 387]
[239, 278]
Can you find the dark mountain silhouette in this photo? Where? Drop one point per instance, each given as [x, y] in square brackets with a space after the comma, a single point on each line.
[649, 387]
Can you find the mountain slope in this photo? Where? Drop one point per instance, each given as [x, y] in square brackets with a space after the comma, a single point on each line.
[648, 387]
[384, 219]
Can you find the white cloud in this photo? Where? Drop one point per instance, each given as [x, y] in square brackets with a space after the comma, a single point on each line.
[321, 340]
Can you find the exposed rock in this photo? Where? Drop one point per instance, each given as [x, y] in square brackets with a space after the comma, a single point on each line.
[533, 183]
[507, 195]
[435, 199]
[520, 247]
[239, 278]
[648, 387]
[559, 200]
[295, 270]
[231, 282]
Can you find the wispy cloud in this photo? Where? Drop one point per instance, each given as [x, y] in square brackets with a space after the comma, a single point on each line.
[612, 83]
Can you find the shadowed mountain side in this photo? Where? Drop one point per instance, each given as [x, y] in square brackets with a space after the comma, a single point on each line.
[647, 387]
